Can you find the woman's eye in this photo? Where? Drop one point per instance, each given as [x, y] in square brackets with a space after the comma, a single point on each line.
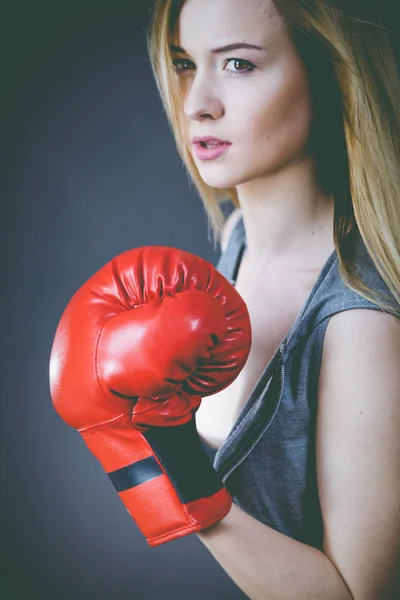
[178, 62]
[238, 63]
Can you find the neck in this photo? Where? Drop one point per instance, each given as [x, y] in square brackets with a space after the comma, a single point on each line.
[287, 218]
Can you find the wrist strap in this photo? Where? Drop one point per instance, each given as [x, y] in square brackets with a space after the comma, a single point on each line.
[183, 459]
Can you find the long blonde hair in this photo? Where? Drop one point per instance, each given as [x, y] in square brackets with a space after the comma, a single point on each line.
[352, 69]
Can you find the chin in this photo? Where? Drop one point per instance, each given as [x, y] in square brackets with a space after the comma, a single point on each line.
[221, 178]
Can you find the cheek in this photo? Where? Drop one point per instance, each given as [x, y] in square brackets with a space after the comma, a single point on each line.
[281, 121]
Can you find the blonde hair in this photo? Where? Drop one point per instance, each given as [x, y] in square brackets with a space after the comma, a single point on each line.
[352, 67]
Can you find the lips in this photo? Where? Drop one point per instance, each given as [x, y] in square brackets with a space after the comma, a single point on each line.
[211, 152]
[209, 141]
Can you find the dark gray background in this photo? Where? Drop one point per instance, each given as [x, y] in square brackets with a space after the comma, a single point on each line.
[89, 169]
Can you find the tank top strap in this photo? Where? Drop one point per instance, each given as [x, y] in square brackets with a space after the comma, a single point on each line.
[229, 261]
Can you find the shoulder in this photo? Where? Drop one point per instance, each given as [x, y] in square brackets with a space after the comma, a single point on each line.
[358, 450]
[367, 333]
[360, 362]
[229, 225]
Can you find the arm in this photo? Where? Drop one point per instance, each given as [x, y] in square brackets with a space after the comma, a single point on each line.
[268, 565]
[358, 465]
[358, 452]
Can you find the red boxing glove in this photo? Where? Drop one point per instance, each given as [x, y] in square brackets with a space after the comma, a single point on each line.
[138, 346]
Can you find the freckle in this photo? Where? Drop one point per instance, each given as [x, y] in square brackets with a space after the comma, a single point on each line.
[361, 413]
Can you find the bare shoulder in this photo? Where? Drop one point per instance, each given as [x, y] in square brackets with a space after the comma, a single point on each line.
[359, 325]
[229, 226]
[361, 338]
[358, 450]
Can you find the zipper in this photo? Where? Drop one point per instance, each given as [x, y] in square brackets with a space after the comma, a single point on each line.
[266, 426]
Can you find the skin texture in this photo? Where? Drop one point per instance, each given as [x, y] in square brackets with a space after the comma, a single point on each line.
[266, 114]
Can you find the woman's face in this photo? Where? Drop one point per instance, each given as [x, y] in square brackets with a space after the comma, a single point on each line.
[259, 102]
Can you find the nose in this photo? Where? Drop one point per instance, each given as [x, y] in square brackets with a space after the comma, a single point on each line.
[202, 99]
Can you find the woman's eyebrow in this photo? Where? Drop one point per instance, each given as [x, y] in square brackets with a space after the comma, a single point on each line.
[221, 48]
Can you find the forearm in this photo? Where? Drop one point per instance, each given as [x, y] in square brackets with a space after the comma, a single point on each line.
[268, 565]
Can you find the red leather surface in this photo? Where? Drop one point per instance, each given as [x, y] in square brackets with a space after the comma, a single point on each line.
[154, 505]
[139, 344]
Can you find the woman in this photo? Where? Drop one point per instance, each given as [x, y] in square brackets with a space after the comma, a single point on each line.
[302, 100]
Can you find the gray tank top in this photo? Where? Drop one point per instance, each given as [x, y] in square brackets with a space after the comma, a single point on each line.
[268, 461]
